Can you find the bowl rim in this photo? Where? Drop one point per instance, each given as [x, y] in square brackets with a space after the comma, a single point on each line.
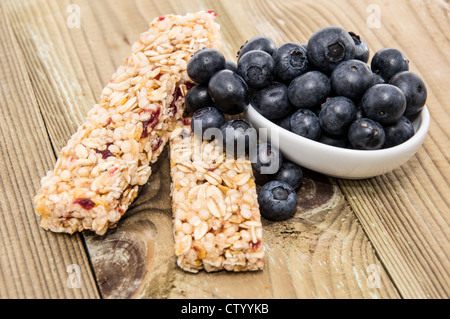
[418, 137]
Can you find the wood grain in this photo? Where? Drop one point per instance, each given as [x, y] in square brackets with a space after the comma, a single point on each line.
[405, 213]
[321, 253]
[33, 263]
[145, 235]
[345, 234]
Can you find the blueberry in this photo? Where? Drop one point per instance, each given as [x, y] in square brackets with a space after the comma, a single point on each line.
[204, 64]
[285, 122]
[267, 160]
[198, 98]
[290, 61]
[362, 52]
[305, 123]
[258, 42]
[328, 47]
[290, 173]
[384, 103]
[277, 201]
[377, 79]
[332, 140]
[336, 115]
[414, 90]
[206, 118]
[399, 132]
[351, 79]
[272, 101]
[309, 90]
[238, 137]
[366, 134]
[231, 65]
[229, 92]
[256, 68]
[388, 61]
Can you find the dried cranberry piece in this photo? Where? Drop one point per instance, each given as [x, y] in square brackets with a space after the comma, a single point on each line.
[106, 153]
[255, 246]
[86, 203]
[176, 96]
[186, 121]
[157, 145]
[151, 123]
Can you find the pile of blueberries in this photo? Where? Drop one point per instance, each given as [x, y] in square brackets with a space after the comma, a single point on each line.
[323, 90]
[220, 91]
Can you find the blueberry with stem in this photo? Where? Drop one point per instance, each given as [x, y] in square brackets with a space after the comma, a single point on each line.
[206, 118]
[413, 88]
[290, 173]
[272, 102]
[336, 115]
[366, 134]
[229, 92]
[351, 79]
[362, 51]
[259, 42]
[328, 47]
[399, 132]
[277, 201]
[204, 64]
[309, 90]
[291, 61]
[384, 103]
[305, 123]
[388, 62]
[256, 68]
[198, 98]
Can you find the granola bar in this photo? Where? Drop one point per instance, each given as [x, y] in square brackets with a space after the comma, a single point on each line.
[217, 223]
[98, 173]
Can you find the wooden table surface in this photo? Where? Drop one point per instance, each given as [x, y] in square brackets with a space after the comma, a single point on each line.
[384, 237]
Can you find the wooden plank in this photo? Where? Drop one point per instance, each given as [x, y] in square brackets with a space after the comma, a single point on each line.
[404, 214]
[410, 226]
[33, 263]
[413, 246]
[323, 252]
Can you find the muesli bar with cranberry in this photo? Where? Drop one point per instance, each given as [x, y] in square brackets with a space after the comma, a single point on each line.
[98, 173]
[216, 217]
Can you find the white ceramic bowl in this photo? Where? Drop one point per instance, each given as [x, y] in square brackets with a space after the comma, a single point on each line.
[335, 161]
